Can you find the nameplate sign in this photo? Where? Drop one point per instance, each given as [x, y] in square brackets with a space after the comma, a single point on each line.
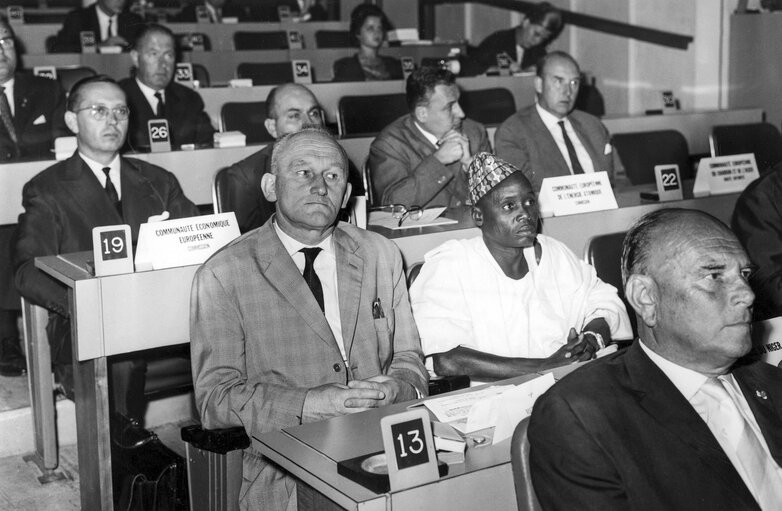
[88, 41]
[668, 101]
[159, 135]
[503, 63]
[184, 241]
[295, 40]
[184, 74]
[202, 14]
[669, 184]
[15, 14]
[725, 174]
[408, 66]
[581, 193]
[767, 340]
[197, 42]
[112, 250]
[284, 13]
[45, 72]
[302, 73]
[409, 449]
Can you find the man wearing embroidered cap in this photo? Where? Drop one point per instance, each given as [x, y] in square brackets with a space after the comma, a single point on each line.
[510, 301]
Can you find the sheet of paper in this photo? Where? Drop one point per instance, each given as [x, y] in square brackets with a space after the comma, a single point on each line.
[431, 216]
[454, 410]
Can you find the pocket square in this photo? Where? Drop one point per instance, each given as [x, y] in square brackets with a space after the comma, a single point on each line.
[41, 119]
[608, 149]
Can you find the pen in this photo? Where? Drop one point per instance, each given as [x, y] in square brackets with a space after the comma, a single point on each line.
[377, 309]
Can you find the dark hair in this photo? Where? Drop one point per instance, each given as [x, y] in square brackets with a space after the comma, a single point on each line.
[547, 16]
[544, 60]
[283, 142]
[360, 14]
[74, 96]
[152, 28]
[4, 21]
[421, 84]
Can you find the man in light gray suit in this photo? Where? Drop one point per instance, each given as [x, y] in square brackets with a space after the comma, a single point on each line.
[271, 349]
[552, 137]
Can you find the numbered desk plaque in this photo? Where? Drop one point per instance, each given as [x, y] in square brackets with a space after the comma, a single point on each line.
[45, 72]
[408, 66]
[202, 14]
[302, 73]
[669, 184]
[159, 139]
[295, 40]
[184, 74]
[89, 43]
[112, 250]
[15, 14]
[503, 63]
[409, 446]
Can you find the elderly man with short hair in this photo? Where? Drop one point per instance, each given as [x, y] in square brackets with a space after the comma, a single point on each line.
[676, 421]
[510, 301]
[302, 319]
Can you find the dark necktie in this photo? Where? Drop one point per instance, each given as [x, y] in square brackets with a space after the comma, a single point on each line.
[571, 151]
[7, 118]
[108, 29]
[310, 276]
[111, 191]
[161, 107]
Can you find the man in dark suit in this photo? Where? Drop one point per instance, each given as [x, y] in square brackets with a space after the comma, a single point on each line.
[31, 117]
[306, 10]
[422, 157]
[271, 349]
[675, 421]
[550, 136]
[107, 19]
[216, 10]
[153, 94]
[94, 187]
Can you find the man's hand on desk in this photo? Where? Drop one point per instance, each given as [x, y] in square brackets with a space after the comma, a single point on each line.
[394, 390]
[577, 349]
[332, 400]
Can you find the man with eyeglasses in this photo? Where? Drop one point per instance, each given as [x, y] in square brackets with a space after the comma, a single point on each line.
[31, 117]
[153, 94]
[92, 188]
[551, 137]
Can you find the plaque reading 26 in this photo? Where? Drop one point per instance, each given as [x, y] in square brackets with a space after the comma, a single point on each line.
[113, 245]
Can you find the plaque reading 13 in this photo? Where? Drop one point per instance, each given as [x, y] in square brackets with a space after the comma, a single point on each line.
[112, 244]
[410, 443]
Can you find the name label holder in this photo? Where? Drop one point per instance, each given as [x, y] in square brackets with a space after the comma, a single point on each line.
[45, 72]
[202, 14]
[767, 340]
[295, 40]
[503, 64]
[15, 14]
[409, 448]
[88, 42]
[159, 136]
[408, 66]
[669, 184]
[302, 72]
[112, 250]
[184, 74]
[580, 193]
[284, 13]
[183, 241]
[719, 175]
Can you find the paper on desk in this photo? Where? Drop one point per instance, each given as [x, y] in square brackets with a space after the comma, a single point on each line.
[429, 217]
[454, 409]
[505, 411]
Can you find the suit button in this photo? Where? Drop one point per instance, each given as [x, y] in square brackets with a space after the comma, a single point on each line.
[441, 180]
[337, 368]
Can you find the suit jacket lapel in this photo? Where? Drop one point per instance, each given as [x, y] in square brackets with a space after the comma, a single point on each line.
[88, 195]
[591, 149]
[140, 199]
[278, 267]
[765, 406]
[350, 271]
[546, 144]
[23, 103]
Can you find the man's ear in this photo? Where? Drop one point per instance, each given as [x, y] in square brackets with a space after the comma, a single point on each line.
[271, 127]
[477, 216]
[421, 114]
[538, 84]
[641, 293]
[134, 58]
[70, 121]
[346, 198]
[268, 182]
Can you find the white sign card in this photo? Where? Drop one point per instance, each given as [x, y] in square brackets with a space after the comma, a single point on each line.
[46, 72]
[295, 40]
[669, 101]
[302, 73]
[184, 74]
[88, 42]
[183, 241]
[112, 250]
[719, 175]
[669, 184]
[197, 41]
[159, 136]
[15, 14]
[202, 14]
[580, 193]
[408, 66]
[767, 339]
[409, 446]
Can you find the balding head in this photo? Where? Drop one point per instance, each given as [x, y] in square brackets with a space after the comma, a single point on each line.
[290, 108]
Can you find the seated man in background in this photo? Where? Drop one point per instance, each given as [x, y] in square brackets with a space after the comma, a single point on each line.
[62, 204]
[672, 422]
[550, 136]
[421, 158]
[525, 44]
[153, 94]
[31, 117]
[107, 19]
[510, 301]
[271, 349]
[757, 221]
[216, 10]
[306, 10]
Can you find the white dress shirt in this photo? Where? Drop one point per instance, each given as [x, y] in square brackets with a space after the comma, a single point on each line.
[97, 169]
[103, 22]
[551, 121]
[149, 94]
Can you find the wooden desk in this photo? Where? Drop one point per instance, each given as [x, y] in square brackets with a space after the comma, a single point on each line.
[109, 315]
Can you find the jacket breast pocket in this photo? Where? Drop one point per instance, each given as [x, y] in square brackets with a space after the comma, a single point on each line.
[384, 331]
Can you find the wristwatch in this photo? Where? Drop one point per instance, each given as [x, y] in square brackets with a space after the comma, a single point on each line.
[599, 338]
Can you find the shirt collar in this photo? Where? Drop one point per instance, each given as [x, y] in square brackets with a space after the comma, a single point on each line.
[292, 245]
[428, 136]
[686, 380]
[549, 119]
[98, 167]
[102, 16]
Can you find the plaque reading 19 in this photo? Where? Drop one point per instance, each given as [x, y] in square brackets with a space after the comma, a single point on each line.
[409, 447]
[111, 250]
[112, 245]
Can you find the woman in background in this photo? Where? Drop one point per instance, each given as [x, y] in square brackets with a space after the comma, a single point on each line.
[368, 28]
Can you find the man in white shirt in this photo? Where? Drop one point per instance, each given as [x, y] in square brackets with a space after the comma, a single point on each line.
[108, 20]
[676, 421]
[550, 136]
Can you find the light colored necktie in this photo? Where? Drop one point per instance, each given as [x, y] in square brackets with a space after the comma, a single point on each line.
[725, 420]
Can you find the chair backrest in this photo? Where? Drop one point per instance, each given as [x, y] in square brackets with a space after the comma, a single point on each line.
[760, 138]
[488, 106]
[220, 199]
[275, 40]
[604, 253]
[184, 41]
[641, 151]
[246, 117]
[526, 500]
[267, 73]
[67, 76]
[366, 177]
[201, 73]
[333, 39]
[359, 116]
